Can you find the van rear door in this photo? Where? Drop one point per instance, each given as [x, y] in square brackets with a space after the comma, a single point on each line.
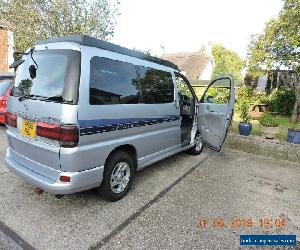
[44, 97]
[216, 111]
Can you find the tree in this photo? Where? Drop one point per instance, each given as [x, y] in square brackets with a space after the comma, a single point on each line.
[41, 19]
[279, 45]
[226, 62]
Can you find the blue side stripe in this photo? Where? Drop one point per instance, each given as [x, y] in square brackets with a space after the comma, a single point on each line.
[89, 127]
[108, 122]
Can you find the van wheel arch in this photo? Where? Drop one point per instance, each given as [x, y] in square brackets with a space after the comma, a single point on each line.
[130, 149]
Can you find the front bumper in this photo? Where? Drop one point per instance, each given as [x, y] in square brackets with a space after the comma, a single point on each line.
[80, 181]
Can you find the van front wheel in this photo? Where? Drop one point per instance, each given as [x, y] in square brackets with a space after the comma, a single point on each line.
[198, 147]
[117, 176]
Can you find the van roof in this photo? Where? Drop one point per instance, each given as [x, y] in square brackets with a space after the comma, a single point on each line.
[7, 74]
[94, 42]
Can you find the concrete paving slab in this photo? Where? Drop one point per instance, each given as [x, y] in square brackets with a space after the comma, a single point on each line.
[3, 147]
[8, 243]
[230, 185]
[79, 221]
[155, 215]
[10, 240]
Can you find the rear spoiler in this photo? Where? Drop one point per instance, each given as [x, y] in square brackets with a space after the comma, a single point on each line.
[15, 64]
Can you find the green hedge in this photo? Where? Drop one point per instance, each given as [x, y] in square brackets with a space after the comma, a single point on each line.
[249, 95]
[282, 101]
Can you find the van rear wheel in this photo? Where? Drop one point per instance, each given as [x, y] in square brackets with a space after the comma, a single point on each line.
[117, 177]
[198, 147]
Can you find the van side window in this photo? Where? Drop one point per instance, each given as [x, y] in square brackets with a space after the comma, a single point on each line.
[113, 82]
[156, 86]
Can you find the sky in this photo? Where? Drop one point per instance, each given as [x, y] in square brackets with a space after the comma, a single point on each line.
[187, 25]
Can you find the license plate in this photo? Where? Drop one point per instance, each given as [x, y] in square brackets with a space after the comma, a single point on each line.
[28, 129]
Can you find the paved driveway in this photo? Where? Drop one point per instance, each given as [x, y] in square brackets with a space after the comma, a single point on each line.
[181, 202]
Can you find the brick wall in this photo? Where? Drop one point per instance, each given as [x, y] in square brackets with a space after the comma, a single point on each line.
[3, 50]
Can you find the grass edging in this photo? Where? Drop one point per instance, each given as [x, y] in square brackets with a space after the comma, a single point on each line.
[271, 148]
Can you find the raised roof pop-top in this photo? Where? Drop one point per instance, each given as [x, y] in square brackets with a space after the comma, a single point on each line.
[94, 42]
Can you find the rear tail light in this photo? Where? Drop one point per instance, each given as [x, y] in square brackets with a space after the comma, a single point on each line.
[68, 136]
[3, 102]
[10, 119]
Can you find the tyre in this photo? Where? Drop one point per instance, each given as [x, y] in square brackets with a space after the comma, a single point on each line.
[198, 147]
[117, 177]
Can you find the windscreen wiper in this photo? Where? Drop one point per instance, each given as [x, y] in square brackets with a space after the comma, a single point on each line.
[26, 96]
[56, 98]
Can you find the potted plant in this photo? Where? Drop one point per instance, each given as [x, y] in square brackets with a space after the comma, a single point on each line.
[245, 126]
[269, 126]
[293, 135]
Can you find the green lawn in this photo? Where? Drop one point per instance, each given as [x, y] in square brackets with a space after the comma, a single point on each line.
[284, 124]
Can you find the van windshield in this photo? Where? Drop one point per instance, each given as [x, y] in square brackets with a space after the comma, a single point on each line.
[51, 75]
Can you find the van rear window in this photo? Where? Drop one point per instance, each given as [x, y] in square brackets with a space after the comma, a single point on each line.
[51, 75]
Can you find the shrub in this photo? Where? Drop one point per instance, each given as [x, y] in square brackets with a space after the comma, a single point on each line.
[250, 95]
[282, 101]
[261, 98]
[268, 120]
[244, 109]
[245, 92]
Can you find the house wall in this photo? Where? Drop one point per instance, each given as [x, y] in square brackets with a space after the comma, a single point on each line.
[10, 49]
[3, 50]
[6, 49]
[207, 72]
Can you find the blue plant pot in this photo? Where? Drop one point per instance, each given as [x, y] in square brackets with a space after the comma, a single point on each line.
[293, 136]
[245, 128]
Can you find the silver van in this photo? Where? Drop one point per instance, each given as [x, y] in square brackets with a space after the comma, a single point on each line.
[85, 113]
